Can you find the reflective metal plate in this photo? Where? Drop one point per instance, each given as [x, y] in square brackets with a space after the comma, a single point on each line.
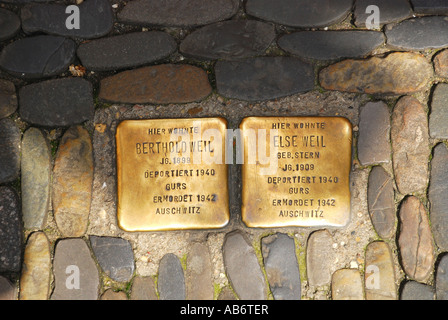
[296, 171]
[171, 174]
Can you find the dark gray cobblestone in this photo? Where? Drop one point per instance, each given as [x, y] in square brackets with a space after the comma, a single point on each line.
[51, 83]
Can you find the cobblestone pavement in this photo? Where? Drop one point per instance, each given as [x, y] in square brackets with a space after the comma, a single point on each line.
[63, 91]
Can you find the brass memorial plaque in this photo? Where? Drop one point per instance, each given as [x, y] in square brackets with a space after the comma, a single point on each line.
[296, 171]
[171, 174]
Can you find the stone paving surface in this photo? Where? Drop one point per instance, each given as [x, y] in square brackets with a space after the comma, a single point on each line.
[64, 91]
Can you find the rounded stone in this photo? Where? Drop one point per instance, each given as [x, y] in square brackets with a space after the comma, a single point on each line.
[177, 13]
[263, 78]
[10, 156]
[390, 11]
[199, 283]
[346, 284]
[57, 102]
[143, 288]
[331, 45]
[437, 195]
[10, 231]
[8, 98]
[38, 56]
[96, 19]
[115, 256]
[36, 271]
[76, 276]
[415, 240]
[9, 24]
[282, 269]
[413, 290]
[110, 294]
[410, 145]
[374, 134]
[441, 278]
[161, 84]
[171, 281]
[441, 64]
[396, 74]
[380, 274]
[234, 39]
[126, 51]
[242, 268]
[438, 118]
[320, 258]
[35, 178]
[7, 290]
[419, 33]
[300, 13]
[381, 202]
[72, 182]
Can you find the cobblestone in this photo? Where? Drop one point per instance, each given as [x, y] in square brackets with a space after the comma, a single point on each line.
[436, 196]
[347, 285]
[114, 256]
[64, 92]
[58, 102]
[430, 7]
[281, 266]
[171, 281]
[381, 200]
[380, 272]
[242, 268]
[35, 179]
[263, 78]
[72, 258]
[438, 127]
[10, 231]
[9, 24]
[157, 84]
[72, 182]
[177, 12]
[36, 270]
[331, 45]
[8, 98]
[413, 290]
[229, 40]
[398, 73]
[441, 64]
[374, 134]
[126, 51]
[10, 145]
[410, 145]
[415, 240]
[319, 13]
[390, 11]
[419, 34]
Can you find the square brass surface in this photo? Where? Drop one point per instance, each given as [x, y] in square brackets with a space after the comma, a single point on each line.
[171, 174]
[296, 171]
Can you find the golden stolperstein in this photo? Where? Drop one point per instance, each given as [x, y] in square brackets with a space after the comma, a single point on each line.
[171, 174]
[296, 171]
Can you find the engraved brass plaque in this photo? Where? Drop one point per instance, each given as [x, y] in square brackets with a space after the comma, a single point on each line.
[171, 174]
[296, 171]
